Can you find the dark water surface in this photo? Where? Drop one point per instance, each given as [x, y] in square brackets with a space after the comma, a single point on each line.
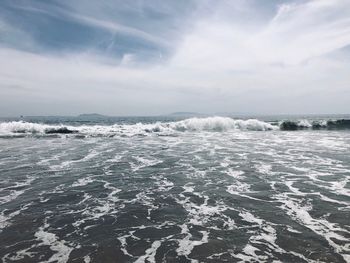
[196, 190]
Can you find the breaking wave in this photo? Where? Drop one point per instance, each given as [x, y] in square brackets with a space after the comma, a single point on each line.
[210, 124]
[221, 124]
[289, 125]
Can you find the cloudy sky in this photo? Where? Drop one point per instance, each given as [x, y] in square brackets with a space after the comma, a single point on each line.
[146, 57]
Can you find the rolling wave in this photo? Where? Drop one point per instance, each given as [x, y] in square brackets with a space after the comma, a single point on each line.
[314, 125]
[210, 124]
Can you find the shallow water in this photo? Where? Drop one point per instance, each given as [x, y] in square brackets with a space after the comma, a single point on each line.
[193, 196]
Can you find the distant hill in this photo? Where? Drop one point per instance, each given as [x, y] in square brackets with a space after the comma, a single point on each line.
[185, 113]
[92, 116]
[224, 114]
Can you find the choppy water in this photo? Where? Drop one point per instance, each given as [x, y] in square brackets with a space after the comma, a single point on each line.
[207, 190]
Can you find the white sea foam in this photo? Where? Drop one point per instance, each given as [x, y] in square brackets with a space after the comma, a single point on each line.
[193, 124]
[238, 187]
[61, 248]
[234, 173]
[200, 214]
[330, 231]
[142, 162]
[21, 127]
[264, 168]
[82, 182]
[5, 219]
[123, 244]
[163, 183]
[69, 163]
[267, 236]
[87, 259]
[333, 143]
[14, 191]
[249, 217]
[186, 245]
[221, 124]
[102, 207]
[304, 123]
[188, 188]
[301, 174]
[150, 253]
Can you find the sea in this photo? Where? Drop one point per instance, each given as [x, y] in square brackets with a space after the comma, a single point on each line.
[175, 189]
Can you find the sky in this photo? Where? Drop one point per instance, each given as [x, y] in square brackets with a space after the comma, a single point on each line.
[153, 57]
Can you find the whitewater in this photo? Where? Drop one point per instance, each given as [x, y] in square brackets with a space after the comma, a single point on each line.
[219, 124]
[166, 189]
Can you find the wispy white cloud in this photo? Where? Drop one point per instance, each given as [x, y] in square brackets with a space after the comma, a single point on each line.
[10, 36]
[107, 25]
[297, 33]
[114, 27]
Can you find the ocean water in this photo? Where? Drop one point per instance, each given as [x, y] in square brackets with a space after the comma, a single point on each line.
[167, 189]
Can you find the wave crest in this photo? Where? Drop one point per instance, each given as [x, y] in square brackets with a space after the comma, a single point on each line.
[219, 124]
[210, 124]
[289, 125]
